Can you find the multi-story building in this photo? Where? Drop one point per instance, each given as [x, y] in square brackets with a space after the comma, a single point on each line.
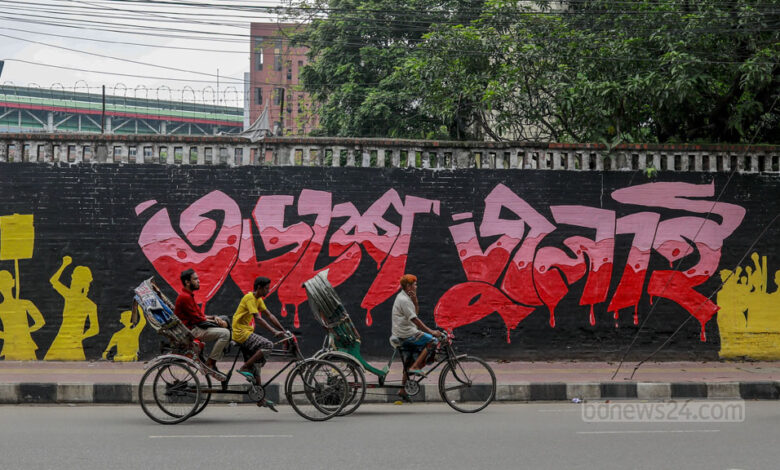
[274, 80]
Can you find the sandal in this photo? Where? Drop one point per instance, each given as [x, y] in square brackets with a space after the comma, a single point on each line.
[418, 372]
[268, 404]
[249, 376]
[217, 375]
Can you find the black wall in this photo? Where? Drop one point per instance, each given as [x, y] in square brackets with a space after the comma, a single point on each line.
[88, 213]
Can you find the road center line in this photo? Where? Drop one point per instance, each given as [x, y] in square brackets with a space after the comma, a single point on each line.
[657, 431]
[195, 436]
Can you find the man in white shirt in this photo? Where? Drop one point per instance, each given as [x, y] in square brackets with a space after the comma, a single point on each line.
[410, 330]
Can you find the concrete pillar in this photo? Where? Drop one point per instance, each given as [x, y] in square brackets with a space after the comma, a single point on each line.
[753, 163]
[556, 160]
[621, 162]
[599, 160]
[48, 152]
[396, 160]
[78, 150]
[515, 159]
[101, 153]
[365, 157]
[284, 155]
[336, 156]
[461, 158]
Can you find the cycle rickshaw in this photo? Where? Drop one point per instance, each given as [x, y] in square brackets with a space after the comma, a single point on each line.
[177, 385]
[466, 383]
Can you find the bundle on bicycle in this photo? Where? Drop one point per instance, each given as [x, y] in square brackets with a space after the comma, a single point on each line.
[466, 383]
[178, 385]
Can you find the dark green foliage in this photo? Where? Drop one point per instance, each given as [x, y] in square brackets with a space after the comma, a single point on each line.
[602, 71]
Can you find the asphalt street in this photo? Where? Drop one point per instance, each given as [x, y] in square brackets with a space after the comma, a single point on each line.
[424, 436]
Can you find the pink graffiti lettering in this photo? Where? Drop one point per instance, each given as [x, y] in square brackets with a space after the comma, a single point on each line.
[268, 216]
[287, 254]
[208, 249]
[543, 275]
[678, 237]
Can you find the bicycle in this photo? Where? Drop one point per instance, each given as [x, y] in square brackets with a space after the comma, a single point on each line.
[466, 383]
[180, 384]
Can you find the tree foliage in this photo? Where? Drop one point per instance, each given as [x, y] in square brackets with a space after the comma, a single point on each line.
[356, 47]
[613, 71]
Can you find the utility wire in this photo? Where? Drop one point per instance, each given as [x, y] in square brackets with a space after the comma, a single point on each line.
[240, 80]
[467, 52]
[125, 43]
[679, 262]
[679, 328]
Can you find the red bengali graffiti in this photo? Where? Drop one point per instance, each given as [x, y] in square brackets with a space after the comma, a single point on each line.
[268, 216]
[681, 236]
[470, 302]
[205, 247]
[544, 275]
[513, 276]
[289, 253]
[642, 225]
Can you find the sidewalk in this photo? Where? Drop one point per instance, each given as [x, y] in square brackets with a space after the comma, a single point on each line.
[109, 382]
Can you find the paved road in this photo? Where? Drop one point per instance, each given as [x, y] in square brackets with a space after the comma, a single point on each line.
[506, 372]
[424, 436]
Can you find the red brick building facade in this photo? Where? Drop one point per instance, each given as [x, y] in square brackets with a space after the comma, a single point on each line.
[274, 80]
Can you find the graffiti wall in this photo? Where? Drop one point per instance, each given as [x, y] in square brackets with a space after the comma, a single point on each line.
[518, 264]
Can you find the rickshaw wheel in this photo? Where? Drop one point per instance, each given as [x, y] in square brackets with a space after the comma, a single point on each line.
[356, 380]
[174, 391]
[316, 389]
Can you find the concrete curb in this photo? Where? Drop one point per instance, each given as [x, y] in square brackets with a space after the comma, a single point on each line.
[122, 393]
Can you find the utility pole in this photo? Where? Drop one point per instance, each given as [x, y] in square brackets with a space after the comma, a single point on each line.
[217, 86]
[103, 115]
[281, 113]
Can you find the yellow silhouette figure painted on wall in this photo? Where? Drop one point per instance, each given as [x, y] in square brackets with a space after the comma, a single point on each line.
[17, 241]
[749, 316]
[126, 339]
[15, 315]
[77, 313]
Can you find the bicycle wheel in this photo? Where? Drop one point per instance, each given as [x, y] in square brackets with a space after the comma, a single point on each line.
[467, 384]
[316, 389]
[173, 395]
[356, 381]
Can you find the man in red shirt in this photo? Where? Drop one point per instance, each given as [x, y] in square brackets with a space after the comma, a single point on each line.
[205, 328]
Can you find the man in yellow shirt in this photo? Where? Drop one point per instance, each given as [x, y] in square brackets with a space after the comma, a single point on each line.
[252, 308]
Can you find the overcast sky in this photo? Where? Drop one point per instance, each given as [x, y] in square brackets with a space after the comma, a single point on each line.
[226, 43]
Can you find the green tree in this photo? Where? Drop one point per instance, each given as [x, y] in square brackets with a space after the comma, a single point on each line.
[578, 70]
[355, 49]
[610, 71]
